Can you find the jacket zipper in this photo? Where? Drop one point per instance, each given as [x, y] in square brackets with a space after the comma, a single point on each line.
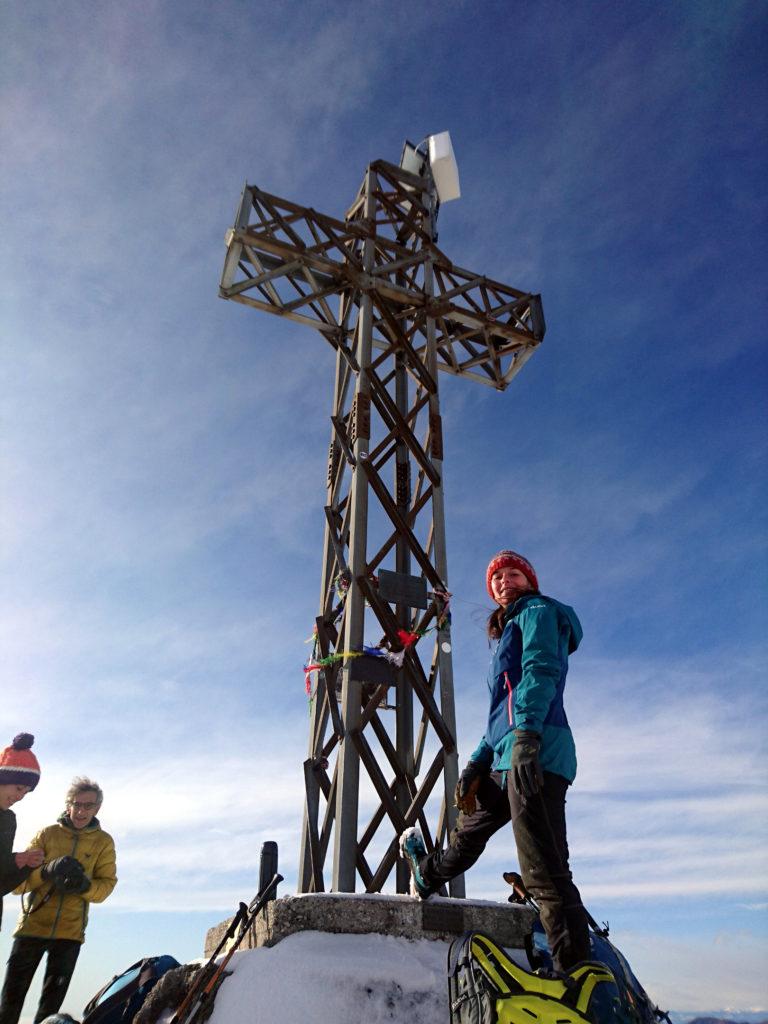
[61, 895]
[510, 716]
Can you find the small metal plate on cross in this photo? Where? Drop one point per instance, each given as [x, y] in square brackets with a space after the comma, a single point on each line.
[437, 918]
[369, 669]
[400, 588]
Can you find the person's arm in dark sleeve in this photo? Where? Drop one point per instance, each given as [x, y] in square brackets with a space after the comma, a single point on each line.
[10, 875]
[482, 754]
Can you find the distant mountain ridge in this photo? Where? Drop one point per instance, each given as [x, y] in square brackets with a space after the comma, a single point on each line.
[748, 1019]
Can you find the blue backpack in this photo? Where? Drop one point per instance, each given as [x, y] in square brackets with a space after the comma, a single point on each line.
[121, 998]
[635, 1005]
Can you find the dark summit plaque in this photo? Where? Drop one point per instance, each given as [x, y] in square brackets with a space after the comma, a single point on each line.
[369, 669]
[400, 588]
[437, 917]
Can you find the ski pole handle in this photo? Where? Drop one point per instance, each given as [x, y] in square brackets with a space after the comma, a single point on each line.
[258, 903]
[520, 890]
[209, 967]
[262, 897]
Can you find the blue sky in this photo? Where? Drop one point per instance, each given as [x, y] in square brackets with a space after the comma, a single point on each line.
[163, 452]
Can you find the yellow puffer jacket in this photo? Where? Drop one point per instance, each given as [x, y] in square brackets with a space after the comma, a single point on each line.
[48, 914]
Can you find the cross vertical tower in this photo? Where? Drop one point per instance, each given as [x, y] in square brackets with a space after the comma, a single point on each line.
[383, 685]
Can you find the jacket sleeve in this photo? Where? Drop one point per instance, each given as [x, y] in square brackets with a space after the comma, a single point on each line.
[34, 879]
[104, 878]
[540, 665]
[10, 875]
[482, 754]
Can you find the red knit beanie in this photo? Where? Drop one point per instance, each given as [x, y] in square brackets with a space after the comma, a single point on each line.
[18, 765]
[511, 558]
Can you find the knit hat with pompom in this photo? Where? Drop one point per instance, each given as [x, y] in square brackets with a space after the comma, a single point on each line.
[511, 558]
[18, 765]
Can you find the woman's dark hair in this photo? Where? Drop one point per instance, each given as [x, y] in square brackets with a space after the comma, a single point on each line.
[495, 624]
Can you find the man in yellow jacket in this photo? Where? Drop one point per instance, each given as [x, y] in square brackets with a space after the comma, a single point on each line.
[78, 869]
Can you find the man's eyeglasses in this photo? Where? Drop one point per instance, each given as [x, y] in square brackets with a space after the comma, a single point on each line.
[78, 805]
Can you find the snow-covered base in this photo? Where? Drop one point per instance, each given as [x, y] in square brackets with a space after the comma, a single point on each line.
[316, 977]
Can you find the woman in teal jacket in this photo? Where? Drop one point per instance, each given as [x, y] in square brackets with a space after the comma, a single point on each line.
[522, 767]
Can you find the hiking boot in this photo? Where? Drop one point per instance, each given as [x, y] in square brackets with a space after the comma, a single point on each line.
[413, 850]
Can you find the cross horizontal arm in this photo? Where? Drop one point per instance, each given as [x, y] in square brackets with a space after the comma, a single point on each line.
[288, 259]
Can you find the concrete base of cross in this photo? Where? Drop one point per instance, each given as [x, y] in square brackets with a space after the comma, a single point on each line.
[438, 918]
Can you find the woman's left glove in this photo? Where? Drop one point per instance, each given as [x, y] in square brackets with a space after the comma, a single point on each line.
[527, 776]
[466, 787]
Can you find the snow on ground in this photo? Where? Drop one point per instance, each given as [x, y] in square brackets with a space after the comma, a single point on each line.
[313, 977]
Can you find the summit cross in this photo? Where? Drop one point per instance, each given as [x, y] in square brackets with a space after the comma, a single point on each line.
[396, 311]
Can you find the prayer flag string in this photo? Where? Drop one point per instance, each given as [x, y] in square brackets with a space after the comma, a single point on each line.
[406, 637]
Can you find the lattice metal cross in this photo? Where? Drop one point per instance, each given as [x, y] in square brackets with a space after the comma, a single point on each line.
[404, 313]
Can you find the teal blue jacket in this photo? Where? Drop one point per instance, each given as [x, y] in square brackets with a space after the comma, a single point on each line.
[526, 681]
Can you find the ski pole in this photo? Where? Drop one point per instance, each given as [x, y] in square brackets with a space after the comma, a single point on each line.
[252, 911]
[517, 883]
[210, 965]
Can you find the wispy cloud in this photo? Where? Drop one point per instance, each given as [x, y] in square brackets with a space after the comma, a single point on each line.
[164, 452]
[698, 974]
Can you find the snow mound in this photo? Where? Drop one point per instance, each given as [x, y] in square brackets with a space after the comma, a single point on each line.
[316, 976]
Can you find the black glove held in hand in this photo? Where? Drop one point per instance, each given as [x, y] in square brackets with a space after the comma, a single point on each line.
[466, 787]
[59, 867]
[77, 882]
[527, 776]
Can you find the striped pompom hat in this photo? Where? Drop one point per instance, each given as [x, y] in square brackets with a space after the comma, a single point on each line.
[505, 558]
[18, 765]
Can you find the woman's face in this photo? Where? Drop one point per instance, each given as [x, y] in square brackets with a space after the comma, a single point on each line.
[508, 584]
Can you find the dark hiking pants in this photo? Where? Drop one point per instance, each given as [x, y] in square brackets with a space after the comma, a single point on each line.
[25, 957]
[542, 853]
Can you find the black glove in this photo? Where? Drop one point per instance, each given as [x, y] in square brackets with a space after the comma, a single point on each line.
[466, 787]
[527, 776]
[59, 867]
[75, 883]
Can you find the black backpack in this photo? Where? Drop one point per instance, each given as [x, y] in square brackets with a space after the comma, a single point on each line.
[121, 998]
[636, 1006]
[470, 997]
